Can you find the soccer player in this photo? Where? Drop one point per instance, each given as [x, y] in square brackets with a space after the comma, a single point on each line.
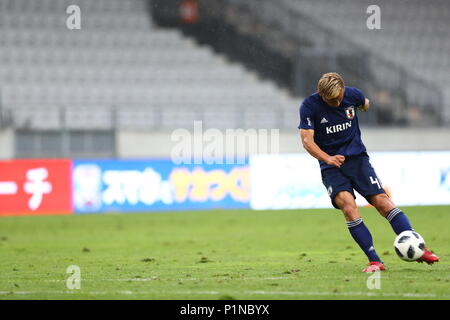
[330, 132]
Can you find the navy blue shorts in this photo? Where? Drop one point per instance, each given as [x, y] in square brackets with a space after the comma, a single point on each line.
[355, 174]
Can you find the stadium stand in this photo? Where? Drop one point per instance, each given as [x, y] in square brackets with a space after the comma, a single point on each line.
[318, 38]
[121, 71]
[126, 71]
[414, 34]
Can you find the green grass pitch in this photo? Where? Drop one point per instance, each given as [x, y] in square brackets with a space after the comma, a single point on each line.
[302, 254]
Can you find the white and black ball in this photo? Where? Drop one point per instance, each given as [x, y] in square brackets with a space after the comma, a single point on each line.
[409, 245]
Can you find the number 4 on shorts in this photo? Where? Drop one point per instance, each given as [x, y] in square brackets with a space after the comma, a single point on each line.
[375, 181]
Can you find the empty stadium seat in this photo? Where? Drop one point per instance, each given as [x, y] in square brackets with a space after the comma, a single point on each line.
[119, 69]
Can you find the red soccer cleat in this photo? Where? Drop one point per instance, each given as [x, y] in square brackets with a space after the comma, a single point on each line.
[374, 266]
[428, 257]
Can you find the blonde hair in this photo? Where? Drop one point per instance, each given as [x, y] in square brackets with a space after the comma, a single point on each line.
[330, 85]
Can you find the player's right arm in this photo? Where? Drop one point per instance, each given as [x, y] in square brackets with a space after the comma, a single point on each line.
[307, 136]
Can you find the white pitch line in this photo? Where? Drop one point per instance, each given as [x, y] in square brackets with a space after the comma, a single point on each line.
[52, 292]
[109, 280]
[180, 279]
[368, 294]
[281, 293]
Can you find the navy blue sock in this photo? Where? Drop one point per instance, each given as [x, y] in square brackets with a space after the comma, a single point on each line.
[362, 236]
[398, 221]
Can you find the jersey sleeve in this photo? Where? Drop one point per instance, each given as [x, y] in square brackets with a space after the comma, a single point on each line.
[306, 117]
[359, 97]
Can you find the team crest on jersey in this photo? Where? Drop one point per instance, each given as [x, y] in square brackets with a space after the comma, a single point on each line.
[350, 112]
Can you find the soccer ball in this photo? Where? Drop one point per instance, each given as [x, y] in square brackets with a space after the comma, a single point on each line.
[409, 245]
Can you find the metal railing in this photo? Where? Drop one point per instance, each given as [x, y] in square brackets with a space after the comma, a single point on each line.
[150, 118]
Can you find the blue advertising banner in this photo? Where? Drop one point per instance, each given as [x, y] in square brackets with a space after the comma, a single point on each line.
[157, 185]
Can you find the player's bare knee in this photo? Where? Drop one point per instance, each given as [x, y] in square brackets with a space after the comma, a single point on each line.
[350, 209]
[350, 212]
[346, 202]
[383, 204]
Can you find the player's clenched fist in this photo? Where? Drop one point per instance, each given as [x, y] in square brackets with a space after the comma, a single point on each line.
[336, 160]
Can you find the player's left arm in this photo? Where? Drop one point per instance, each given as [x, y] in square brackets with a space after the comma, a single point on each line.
[366, 105]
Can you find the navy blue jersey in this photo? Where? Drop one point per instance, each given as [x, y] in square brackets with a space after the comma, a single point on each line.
[336, 129]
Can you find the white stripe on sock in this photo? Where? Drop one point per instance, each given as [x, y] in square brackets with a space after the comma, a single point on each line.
[391, 215]
[352, 224]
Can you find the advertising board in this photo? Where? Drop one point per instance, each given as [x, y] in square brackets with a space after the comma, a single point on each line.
[155, 185]
[30, 187]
